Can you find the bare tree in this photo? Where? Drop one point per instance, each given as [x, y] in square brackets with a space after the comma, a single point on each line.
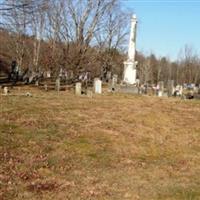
[37, 27]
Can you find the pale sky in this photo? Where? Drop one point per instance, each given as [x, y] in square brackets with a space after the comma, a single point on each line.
[164, 27]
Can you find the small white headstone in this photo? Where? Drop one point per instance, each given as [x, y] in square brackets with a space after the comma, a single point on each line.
[48, 74]
[78, 89]
[160, 93]
[97, 86]
[5, 90]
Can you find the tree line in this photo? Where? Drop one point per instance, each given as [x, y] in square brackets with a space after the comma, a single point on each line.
[81, 35]
[186, 69]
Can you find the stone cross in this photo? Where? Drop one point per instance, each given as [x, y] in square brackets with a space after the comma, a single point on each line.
[130, 64]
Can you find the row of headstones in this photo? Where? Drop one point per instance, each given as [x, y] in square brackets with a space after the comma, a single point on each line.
[57, 85]
[160, 90]
[97, 88]
[177, 90]
[171, 90]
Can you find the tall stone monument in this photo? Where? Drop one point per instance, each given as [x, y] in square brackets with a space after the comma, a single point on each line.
[130, 64]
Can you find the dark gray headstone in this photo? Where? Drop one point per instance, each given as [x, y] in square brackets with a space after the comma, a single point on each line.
[170, 87]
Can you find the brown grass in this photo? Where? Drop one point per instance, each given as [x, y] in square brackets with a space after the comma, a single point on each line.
[109, 147]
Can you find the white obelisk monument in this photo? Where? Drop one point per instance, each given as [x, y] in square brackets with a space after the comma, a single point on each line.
[130, 64]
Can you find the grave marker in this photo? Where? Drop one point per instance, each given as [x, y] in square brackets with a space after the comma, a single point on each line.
[57, 84]
[97, 86]
[78, 89]
[5, 90]
[170, 88]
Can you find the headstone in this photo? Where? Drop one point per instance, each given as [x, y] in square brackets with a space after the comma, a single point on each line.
[61, 72]
[114, 79]
[196, 89]
[108, 76]
[160, 93]
[181, 90]
[113, 83]
[137, 82]
[97, 86]
[57, 84]
[46, 87]
[31, 77]
[170, 88]
[5, 90]
[131, 89]
[160, 88]
[48, 74]
[192, 85]
[78, 89]
[142, 89]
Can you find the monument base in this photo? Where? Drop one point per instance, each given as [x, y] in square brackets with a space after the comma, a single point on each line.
[130, 89]
[129, 72]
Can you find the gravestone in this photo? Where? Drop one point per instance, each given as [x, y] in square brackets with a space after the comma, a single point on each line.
[114, 79]
[78, 89]
[108, 76]
[5, 90]
[178, 90]
[196, 89]
[57, 84]
[31, 77]
[170, 87]
[48, 74]
[97, 86]
[160, 88]
[131, 89]
[113, 83]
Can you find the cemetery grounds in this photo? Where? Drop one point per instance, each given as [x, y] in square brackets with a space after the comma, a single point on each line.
[109, 147]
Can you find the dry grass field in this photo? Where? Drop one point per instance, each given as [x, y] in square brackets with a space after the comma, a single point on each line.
[109, 147]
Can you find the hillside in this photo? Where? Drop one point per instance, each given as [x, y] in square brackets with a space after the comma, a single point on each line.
[109, 147]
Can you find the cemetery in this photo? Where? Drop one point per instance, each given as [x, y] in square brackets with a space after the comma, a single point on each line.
[65, 80]
[83, 133]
